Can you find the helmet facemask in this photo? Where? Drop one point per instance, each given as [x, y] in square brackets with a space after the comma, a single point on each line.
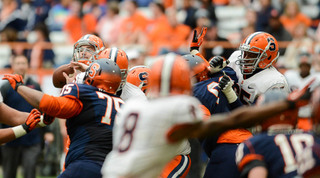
[250, 58]
[123, 78]
[85, 51]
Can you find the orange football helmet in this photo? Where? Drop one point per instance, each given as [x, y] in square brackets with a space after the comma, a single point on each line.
[87, 49]
[170, 75]
[103, 74]
[120, 58]
[258, 50]
[287, 118]
[198, 66]
[138, 76]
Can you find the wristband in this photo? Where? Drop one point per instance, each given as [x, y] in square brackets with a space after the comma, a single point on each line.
[18, 85]
[230, 95]
[19, 131]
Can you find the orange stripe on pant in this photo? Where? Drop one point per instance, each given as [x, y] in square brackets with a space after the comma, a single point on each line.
[177, 166]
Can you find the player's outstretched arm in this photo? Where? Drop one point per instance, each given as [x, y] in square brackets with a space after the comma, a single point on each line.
[10, 134]
[61, 107]
[245, 116]
[251, 115]
[10, 116]
[32, 96]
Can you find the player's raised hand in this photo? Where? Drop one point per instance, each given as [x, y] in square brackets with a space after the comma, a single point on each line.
[300, 97]
[198, 39]
[79, 66]
[70, 78]
[32, 120]
[217, 63]
[225, 82]
[15, 80]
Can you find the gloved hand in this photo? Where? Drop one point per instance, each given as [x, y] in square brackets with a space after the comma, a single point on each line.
[30, 124]
[32, 120]
[217, 63]
[15, 80]
[225, 85]
[301, 97]
[45, 120]
[197, 39]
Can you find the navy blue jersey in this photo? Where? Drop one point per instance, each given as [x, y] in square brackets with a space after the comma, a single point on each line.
[309, 160]
[90, 132]
[277, 153]
[210, 95]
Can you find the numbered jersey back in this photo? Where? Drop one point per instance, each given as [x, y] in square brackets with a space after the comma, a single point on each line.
[90, 132]
[140, 145]
[309, 160]
[278, 152]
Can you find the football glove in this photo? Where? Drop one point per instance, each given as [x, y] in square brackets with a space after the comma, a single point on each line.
[32, 120]
[30, 124]
[198, 39]
[217, 63]
[225, 85]
[15, 80]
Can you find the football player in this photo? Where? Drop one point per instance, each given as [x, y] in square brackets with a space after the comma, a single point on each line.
[125, 91]
[87, 49]
[138, 76]
[89, 110]
[149, 133]
[253, 63]
[214, 89]
[273, 152]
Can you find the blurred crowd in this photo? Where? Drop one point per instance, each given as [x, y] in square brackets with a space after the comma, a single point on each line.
[147, 28]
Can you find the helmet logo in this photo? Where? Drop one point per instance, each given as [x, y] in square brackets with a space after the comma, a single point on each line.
[143, 78]
[93, 70]
[272, 44]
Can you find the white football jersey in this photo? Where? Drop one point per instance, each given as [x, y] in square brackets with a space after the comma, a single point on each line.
[80, 78]
[257, 84]
[129, 90]
[140, 147]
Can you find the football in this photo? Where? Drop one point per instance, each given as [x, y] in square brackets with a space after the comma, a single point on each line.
[58, 79]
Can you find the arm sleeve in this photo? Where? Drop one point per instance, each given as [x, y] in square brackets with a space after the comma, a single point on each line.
[62, 107]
